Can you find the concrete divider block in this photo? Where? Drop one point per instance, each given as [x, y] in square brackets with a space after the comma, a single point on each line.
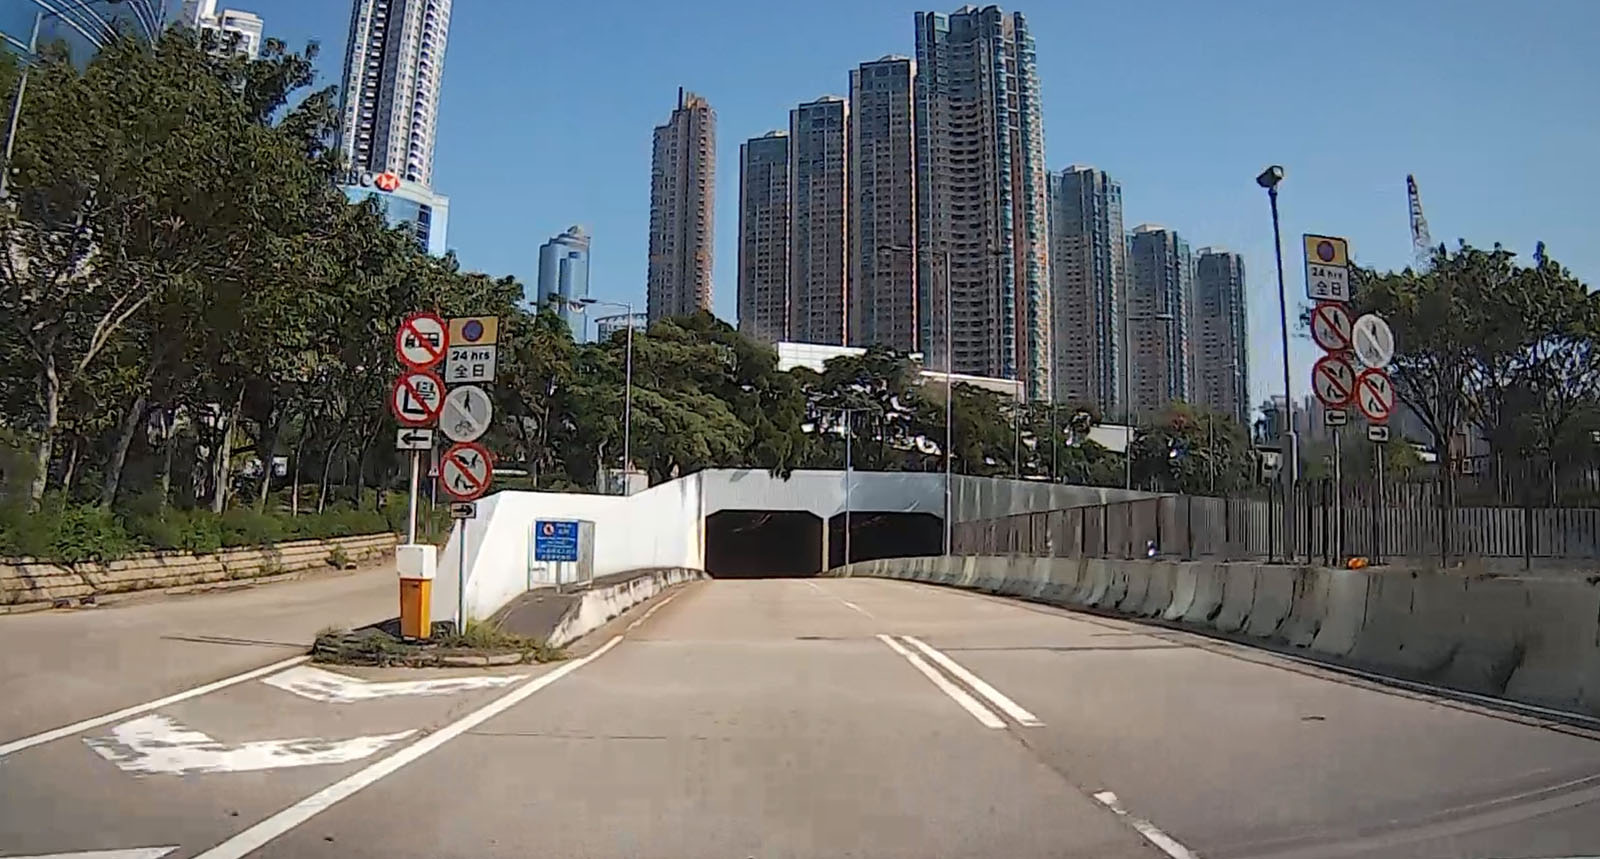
[1413, 623]
[1039, 578]
[1274, 595]
[1137, 576]
[1238, 596]
[1496, 623]
[1560, 664]
[1163, 577]
[1345, 615]
[1307, 605]
[1062, 581]
[1096, 583]
[1207, 601]
[1116, 586]
[1185, 580]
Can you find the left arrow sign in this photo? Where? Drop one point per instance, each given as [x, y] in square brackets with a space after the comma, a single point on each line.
[157, 745]
[132, 853]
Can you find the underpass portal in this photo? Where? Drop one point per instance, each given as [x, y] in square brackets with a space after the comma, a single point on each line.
[876, 535]
[758, 544]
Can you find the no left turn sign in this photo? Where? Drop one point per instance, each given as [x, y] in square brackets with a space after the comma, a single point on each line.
[464, 471]
[1333, 380]
[421, 341]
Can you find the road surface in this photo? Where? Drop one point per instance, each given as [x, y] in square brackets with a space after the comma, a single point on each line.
[808, 718]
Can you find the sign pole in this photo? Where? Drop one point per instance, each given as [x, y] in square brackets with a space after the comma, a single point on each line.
[1338, 499]
[461, 579]
[1378, 512]
[411, 512]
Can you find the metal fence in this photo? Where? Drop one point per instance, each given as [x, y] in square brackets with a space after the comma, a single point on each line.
[1315, 526]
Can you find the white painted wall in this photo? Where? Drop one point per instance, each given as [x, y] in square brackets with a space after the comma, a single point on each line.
[659, 527]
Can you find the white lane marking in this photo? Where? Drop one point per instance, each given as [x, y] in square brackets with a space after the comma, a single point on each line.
[856, 607]
[983, 714]
[88, 724]
[995, 696]
[157, 745]
[132, 853]
[1144, 827]
[652, 610]
[258, 835]
[332, 688]
[813, 586]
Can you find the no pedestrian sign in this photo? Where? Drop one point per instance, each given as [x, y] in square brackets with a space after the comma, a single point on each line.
[1375, 395]
[464, 471]
[1330, 327]
[1333, 380]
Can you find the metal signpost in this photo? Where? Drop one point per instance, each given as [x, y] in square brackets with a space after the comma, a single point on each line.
[1333, 377]
[420, 343]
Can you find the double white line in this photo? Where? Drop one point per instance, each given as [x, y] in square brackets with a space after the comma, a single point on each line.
[976, 708]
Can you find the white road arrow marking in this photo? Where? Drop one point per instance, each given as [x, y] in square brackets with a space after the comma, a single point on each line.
[332, 688]
[157, 745]
[135, 853]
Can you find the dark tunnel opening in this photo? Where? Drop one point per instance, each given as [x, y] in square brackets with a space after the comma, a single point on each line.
[761, 544]
[876, 535]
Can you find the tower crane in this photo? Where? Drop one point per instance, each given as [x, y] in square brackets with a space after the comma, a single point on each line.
[1421, 241]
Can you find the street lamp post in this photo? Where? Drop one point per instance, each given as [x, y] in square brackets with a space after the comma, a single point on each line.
[579, 305]
[849, 432]
[1269, 180]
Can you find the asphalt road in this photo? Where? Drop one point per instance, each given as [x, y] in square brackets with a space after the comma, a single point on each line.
[802, 718]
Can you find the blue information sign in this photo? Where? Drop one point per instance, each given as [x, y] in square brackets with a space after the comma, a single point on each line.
[555, 540]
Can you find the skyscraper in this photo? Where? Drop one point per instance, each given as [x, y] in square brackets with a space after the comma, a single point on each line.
[818, 236]
[1088, 282]
[564, 276]
[764, 237]
[393, 65]
[884, 256]
[683, 165]
[1221, 374]
[1160, 272]
[981, 194]
[203, 15]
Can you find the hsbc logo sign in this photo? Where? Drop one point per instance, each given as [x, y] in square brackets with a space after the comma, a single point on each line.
[387, 181]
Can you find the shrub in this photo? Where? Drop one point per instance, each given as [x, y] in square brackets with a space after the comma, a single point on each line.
[243, 526]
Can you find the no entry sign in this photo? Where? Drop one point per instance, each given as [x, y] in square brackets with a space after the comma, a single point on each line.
[417, 398]
[1330, 327]
[1333, 380]
[421, 341]
[1375, 394]
[464, 471]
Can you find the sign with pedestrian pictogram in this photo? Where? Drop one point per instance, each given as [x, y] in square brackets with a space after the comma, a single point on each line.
[1327, 268]
[420, 342]
[416, 398]
[1330, 326]
[464, 471]
[1375, 394]
[1333, 380]
[555, 540]
[467, 412]
[1373, 341]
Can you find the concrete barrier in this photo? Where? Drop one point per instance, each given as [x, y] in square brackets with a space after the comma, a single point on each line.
[597, 605]
[1274, 596]
[1530, 640]
[1183, 591]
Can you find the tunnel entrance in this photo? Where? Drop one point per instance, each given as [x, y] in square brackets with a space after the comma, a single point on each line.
[761, 544]
[876, 535]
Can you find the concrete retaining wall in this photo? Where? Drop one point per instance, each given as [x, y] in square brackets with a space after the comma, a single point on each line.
[26, 583]
[598, 605]
[1531, 640]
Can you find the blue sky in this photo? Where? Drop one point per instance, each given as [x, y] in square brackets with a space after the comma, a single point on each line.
[1494, 105]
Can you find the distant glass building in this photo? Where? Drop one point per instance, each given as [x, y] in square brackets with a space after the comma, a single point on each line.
[606, 326]
[764, 237]
[1221, 366]
[225, 24]
[564, 274]
[1160, 284]
[84, 25]
[818, 233]
[1088, 274]
[408, 204]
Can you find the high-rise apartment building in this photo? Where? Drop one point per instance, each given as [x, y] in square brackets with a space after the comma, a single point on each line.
[764, 237]
[1217, 334]
[1088, 282]
[981, 195]
[1160, 271]
[564, 278]
[884, 255]
[818, 233]
[683, 165]
[393, 66]
[224, 25]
